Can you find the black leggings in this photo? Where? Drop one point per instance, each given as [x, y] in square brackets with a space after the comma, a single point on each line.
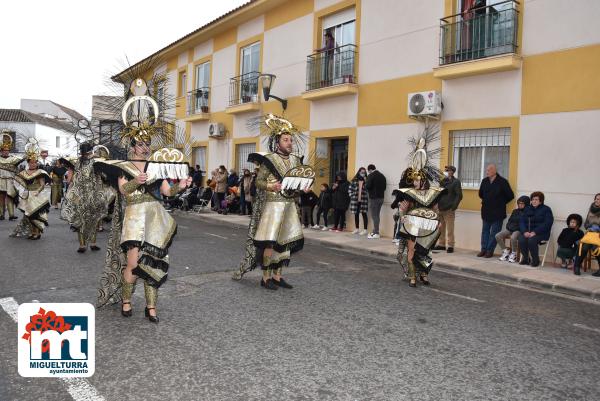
[357, 221]
[339, 218]
[324, 212]
[585, 248]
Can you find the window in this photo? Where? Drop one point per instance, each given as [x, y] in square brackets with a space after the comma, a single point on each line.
[250, 58]
[474, 149]
[200, 158]
[182, 83]
[58, 141]
[202, 87]
[242, 151]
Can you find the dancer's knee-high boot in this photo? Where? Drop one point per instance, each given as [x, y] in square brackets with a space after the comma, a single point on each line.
[151, 294]
[412, 274]
[127, 290]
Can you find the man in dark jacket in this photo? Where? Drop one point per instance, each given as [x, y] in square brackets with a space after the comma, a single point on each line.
[447, 205]
[495, 193]
[535, 225]
[376, 186]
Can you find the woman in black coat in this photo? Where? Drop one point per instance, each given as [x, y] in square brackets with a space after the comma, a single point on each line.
[341, 201]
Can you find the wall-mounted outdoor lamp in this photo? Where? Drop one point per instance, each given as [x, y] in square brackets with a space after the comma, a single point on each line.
[267, 83]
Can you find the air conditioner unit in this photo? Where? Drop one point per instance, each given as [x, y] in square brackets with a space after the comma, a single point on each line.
[216, 130]
[424, 104]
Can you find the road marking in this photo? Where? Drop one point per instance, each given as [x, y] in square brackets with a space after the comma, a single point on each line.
[215, 235]
[583, 326]
[10, 306]
[457, 295]
[324, 263]
[79, 389]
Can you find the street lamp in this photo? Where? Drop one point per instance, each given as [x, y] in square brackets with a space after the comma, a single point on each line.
[267, 83]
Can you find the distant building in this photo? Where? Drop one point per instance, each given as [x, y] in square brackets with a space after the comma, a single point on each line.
[106, 121]
[50, 109]
[54, 135]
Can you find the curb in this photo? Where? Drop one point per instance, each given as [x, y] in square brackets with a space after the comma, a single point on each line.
[563, 289]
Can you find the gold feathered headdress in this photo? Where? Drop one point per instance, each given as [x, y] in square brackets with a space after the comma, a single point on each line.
[32, 150]
[271, 127]
[7, 140]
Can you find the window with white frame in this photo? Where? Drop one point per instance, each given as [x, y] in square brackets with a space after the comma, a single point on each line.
[250, 58]
[200, 158]
[202, 86]
[474, 149]
[242, 151]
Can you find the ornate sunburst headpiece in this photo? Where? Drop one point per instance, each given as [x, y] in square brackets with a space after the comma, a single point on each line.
[32, 149]
[7, 140]
[271, 127]
[140, 115]
[420, 159]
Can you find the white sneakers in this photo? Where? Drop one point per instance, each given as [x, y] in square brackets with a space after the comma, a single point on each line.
[373, 236]
[509, 256]
[355, 231]
[316, 227]
[362, 232]
[325, 228]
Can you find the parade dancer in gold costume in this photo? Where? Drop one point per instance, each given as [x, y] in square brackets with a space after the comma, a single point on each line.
[32, 201]
[8, 170]
[142, 230]
[275, 231]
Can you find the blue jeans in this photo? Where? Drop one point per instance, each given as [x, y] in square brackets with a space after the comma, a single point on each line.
[488, 234]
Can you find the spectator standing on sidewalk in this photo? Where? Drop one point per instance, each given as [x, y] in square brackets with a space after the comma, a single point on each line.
[233, 180]
[308, 200]
[245, 195]
[324, 203]
[197, 176]
[495, 193]
[341, 201]
[447, 205]
[376, 185]
[359, 200]
[512, 231]
[221, 187]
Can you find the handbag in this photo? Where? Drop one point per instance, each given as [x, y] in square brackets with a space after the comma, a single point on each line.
[592, 238]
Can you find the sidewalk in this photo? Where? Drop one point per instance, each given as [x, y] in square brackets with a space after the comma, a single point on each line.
[548, 278]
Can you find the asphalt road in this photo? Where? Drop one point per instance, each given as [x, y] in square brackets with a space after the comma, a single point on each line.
[351, 329]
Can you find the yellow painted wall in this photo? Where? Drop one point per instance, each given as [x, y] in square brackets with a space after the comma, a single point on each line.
[386, 102]
[567, 80]
[225, 39]
[298, 111]
[287, 12]
[471, 199]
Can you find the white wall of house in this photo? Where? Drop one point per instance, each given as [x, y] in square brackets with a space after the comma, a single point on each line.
[251, 28]
[41, 106]
[223, 69]
[47, 140]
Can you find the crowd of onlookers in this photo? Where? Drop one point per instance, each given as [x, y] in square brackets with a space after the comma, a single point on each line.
[528, 226]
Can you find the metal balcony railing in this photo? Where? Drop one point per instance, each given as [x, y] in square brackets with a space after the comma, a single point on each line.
[480, 32]
[197, 101]
[331, 67]
[243, 89]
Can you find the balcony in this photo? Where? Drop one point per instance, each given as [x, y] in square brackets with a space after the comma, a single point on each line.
[243, 93]
[197, 105]
[482, 40]
[331, 73]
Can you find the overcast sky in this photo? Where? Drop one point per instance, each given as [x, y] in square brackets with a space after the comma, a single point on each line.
[64, 50]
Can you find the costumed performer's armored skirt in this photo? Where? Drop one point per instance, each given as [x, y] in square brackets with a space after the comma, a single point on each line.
[36, 209]
[279, 228]
[149, 227]
[6, 185]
